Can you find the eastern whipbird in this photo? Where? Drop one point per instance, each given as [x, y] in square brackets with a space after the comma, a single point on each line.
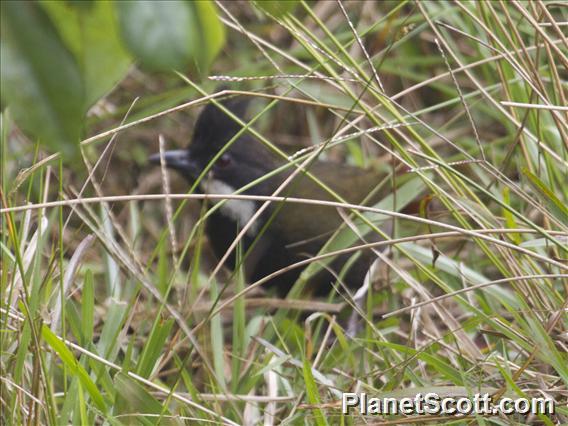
[293, 232]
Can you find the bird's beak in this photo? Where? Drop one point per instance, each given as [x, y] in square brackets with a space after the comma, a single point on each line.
[179, 160]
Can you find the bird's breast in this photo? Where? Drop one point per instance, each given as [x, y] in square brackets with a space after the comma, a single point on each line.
[239, 211]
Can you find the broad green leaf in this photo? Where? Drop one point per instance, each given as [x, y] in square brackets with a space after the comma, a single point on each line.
[173, 34]
[154, 346]
[40, 80]
[115, 316]
[211, 31]
[76, 369]
[161, 34]
[312, 392]
[133, 399]
[88, 307]
[93, 37]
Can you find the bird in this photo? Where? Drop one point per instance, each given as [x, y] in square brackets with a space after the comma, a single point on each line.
[285, 233]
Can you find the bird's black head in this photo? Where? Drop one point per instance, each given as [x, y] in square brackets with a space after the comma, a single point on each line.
[244, 161]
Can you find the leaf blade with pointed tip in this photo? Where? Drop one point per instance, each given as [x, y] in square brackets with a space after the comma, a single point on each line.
[93, 37]
[40, 79]
[160, 34]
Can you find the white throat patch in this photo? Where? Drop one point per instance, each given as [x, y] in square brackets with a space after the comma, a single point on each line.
[241, 211]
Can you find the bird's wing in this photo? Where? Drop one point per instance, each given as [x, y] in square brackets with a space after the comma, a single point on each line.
[311, 225]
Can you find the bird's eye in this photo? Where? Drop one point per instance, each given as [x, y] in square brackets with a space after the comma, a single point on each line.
[224, 161]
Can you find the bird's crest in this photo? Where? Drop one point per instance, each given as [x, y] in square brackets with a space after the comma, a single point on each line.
[214, 127]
